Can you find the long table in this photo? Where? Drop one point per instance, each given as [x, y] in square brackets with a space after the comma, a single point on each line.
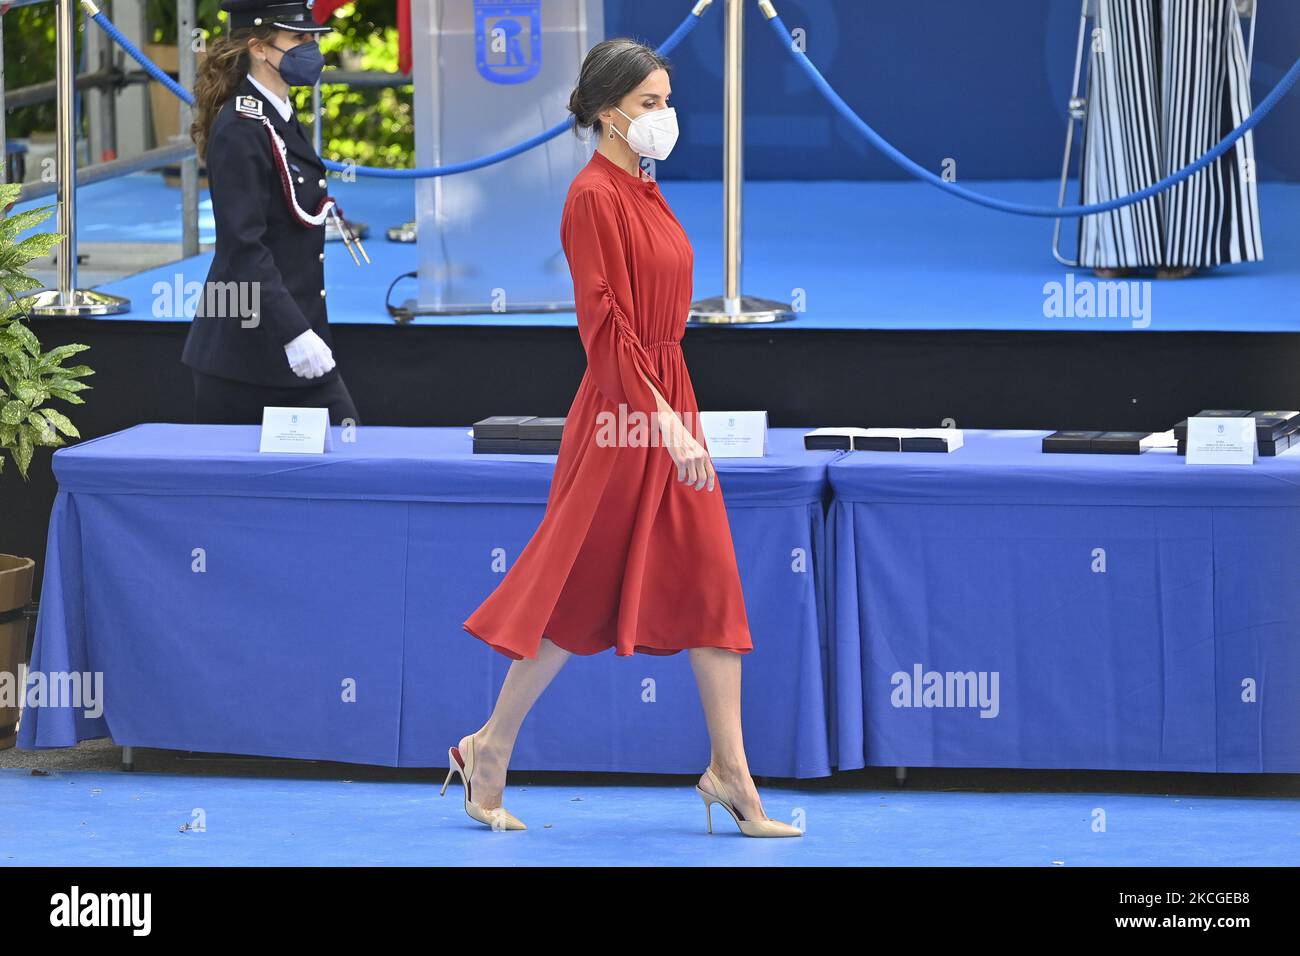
[991, 607]
[1118, 612]
[310, 606]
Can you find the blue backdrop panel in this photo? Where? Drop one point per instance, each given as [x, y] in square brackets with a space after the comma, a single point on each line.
[984, 561]
[986, 85]
[326, 621]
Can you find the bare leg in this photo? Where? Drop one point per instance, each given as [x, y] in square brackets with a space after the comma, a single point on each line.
[495, 740]
[717, 672]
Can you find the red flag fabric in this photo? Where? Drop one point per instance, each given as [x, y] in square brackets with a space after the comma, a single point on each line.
[322, 10]
[404, 35]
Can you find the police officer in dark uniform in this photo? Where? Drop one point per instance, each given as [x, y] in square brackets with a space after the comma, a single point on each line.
[260, 334]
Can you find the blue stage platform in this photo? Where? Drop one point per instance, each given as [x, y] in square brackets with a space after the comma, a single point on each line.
[868, 255]
[137, 818]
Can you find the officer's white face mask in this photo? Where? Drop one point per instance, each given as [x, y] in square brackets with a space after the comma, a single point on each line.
[651, 134]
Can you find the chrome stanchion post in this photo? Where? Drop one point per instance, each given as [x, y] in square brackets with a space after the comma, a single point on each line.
[67, 299]
[190, 165]
[1077, 112]
[732, 307]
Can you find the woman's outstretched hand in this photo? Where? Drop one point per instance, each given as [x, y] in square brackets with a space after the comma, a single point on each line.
[693, 463]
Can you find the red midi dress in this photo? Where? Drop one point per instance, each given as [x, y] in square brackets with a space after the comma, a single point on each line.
[626, 556]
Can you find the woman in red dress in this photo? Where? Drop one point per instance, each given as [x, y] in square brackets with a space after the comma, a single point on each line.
[634, 551]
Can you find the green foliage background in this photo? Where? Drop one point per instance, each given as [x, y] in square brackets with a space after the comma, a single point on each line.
[29, 59]
[374, 127]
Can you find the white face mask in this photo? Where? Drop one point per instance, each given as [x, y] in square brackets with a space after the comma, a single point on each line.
[651, 134]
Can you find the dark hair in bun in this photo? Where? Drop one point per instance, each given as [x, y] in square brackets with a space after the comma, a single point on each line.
[611, 70]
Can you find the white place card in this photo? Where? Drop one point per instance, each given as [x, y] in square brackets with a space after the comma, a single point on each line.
[298, 431]
[735, 434]
[1221, 441]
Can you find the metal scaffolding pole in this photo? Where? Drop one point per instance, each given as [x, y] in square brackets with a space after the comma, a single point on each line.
[733, 308]
[102, 172]
[107, 77]
[92, 98]
[67, 299]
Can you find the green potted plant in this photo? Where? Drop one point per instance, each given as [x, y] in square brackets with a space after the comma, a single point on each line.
[29, 379]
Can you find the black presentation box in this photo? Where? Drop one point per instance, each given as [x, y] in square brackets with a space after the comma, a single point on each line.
[1267, 449]
[1272, 425]
[1180, 430]
[1276, 430]
[1119, 443]
[496, 446]
[925, 443]
[501, 426]
[877, 443]
[813, 442]
[1070, 441]
[518, 435]
[541, 429]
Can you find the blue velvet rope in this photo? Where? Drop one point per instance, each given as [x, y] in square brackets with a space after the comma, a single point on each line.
[1004, 205]
[378, 172]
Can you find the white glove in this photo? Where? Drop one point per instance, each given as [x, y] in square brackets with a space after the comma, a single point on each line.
[309, 356]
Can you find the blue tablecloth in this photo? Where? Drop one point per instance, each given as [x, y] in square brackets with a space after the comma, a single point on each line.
[310, 606]
[1137, 612]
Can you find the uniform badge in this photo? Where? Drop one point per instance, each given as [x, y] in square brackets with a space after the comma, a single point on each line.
[249, 106]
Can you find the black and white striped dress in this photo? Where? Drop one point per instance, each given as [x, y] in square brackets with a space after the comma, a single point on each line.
[1167, 80]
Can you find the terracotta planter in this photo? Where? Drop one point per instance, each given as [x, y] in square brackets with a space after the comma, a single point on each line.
[16, 576]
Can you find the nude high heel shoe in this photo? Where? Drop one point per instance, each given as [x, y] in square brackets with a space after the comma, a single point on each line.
[753, 828]
[498, 818]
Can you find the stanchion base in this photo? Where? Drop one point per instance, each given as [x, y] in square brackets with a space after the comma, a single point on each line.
[78, 302]
[746, 310]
